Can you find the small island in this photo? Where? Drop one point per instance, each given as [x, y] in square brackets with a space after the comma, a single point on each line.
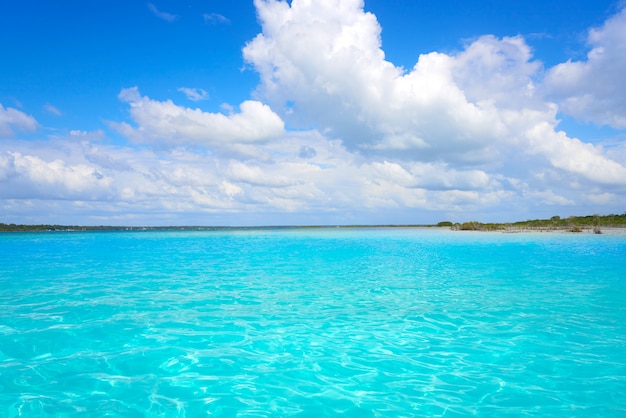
[592, 223]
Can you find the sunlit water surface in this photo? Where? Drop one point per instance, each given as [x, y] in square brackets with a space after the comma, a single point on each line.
[312, 322]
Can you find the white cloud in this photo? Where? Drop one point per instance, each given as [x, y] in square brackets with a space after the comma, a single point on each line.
[575, 156]
[31, 176]
[168, 17]
[256, 175]
[12, 119]
[604, 198]
[548, 197]
[327, 59]
[168, 123]
[187, 185]
[432, 176]
[593, 90]
[497, 71]
[87, 135]
[215, 18]
[194, 94]
[52, 109]
[324, 61]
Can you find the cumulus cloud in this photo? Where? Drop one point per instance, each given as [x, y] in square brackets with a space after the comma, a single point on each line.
[168, 17]
[31, 176]
[592, 90]
[575, 156]
[175, 184]
[327, 58]
[334, 179]
[497, 71]
[166, 122]
[194, 94]
[12, 119]
[324, 61]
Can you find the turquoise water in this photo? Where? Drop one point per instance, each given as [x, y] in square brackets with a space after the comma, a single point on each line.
[312, 322]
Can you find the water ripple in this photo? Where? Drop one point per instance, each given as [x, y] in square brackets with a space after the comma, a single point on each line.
[312, 324]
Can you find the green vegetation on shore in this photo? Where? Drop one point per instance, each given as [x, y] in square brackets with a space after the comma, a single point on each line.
[572, 223]
[43, 228]
[51, 228]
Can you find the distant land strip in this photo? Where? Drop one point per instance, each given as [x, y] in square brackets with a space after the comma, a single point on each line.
[594, 223]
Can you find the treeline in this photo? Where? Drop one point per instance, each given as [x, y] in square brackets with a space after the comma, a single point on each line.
[68, 228]
[46, 228]
[572, 223]
[41, 228]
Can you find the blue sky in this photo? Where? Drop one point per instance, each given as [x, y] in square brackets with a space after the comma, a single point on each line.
[311, 112]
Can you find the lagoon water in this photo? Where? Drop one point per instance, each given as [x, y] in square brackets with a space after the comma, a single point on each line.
[387, 322]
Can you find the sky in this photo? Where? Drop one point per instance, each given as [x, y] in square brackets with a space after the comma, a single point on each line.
[311, 112]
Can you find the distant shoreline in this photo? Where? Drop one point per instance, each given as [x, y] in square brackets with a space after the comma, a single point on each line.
[88, 228]
[598, 224]
[609, 230]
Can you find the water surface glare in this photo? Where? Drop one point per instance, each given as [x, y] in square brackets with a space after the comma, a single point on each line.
[312, 322]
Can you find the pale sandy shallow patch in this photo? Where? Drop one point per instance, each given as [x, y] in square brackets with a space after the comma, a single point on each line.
[586, 230]
[611, 231]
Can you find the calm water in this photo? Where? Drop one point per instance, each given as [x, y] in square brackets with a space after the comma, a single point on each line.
[322, 322]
